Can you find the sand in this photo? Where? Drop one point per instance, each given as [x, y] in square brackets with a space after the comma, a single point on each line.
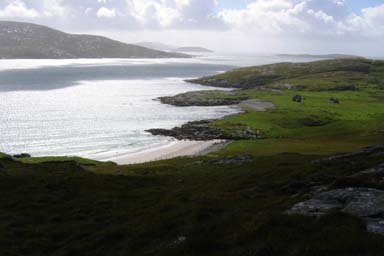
[174, 149]
[256, 104]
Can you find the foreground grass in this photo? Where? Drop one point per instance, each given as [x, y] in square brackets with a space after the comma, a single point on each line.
[69, 209]
[36, 160]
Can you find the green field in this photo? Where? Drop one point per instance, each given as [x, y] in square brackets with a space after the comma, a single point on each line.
[205, 205]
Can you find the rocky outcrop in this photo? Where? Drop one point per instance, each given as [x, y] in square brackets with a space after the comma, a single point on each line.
[365, 203]
[375, 172]
[217, 82]
[202, 130]
[204, 98]
[362, 152]
[343, 88]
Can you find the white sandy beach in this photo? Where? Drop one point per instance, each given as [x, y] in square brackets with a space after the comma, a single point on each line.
[174, 149]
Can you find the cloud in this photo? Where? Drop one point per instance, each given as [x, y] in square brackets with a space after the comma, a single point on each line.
[287, 16]
[104, 12]
[374, 16]
[179, 14]
[269, 20]
[18, 9]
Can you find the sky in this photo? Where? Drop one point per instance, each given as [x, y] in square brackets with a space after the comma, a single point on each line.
[248, 26]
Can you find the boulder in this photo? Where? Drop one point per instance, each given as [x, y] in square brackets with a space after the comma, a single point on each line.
[297, 98]
[334, 100]
[365, 203]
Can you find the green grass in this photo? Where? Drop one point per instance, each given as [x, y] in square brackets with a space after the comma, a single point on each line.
[35, 160]
[360, 114]
[267, 74]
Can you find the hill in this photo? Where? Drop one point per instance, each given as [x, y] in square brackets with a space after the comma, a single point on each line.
[167, 47]
[192, 49]
[29, 41]
[318, 75]
[157, 46]
[321, 56]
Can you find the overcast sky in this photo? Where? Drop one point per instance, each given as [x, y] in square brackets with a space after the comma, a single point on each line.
[270, 26]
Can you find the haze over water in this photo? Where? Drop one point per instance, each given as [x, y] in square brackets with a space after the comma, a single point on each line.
[100, 108]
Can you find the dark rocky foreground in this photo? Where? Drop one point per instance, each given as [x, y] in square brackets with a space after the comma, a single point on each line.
[202, 130]
[364, 201]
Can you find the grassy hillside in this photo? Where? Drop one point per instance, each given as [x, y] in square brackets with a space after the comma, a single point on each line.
[309, 76]
[230, 202]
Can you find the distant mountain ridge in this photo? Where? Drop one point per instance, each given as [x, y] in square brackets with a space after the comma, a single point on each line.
[157, 46]
[30, 41]
[192, 49]
[167, 47]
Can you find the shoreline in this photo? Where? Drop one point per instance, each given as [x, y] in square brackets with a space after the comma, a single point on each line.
[179, 148]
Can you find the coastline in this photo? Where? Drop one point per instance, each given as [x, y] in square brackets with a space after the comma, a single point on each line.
[179, 148]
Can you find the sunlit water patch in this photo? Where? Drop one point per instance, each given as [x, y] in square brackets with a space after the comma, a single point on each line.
[96, 119]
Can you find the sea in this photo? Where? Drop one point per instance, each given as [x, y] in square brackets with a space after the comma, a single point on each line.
[101, 108]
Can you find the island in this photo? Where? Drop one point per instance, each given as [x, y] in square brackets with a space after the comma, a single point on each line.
[173, 48]
[192, 49]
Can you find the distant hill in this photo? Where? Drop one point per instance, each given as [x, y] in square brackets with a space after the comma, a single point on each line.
[192, 49]
[157, 46]
[333, 74]
[29, 41]
[321, 56]
[167, 47]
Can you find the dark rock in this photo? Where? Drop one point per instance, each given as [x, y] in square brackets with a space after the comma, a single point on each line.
[215, 82]
[204, 98]
[344, 88]
[377, 171]
[334, 100]
[23, 155]
[297, 98]
[362, 152]
[372, 177]
[201, 130]
[178, 242]
[365, 203]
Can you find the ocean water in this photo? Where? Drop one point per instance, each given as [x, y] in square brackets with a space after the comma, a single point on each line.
[100, 108]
